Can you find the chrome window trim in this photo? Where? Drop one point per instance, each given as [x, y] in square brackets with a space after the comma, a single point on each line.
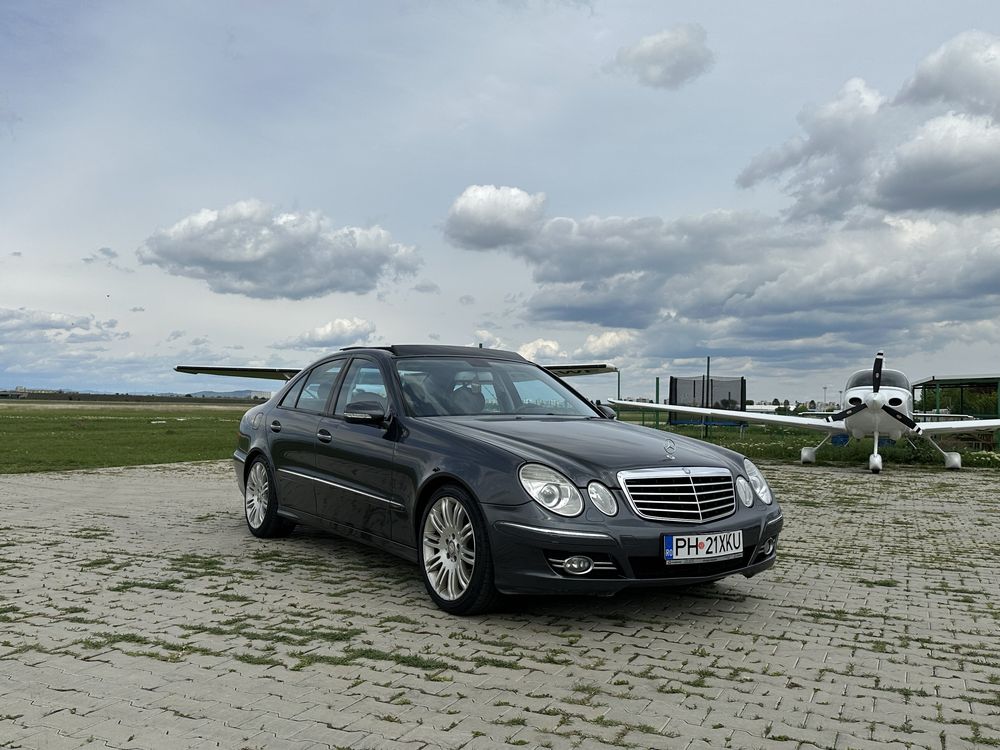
[339, 486]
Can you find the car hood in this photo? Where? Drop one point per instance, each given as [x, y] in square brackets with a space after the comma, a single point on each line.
[583, 448]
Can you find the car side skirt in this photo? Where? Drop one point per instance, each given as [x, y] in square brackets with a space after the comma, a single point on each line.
[349, 532]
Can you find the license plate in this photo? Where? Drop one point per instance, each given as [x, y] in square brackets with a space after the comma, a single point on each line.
[698, 547]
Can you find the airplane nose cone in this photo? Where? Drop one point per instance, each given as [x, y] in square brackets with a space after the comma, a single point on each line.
[874, 401]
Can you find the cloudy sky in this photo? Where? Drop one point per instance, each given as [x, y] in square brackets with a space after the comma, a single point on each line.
[786, 187]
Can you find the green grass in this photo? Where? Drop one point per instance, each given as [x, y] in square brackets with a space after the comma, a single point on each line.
[59, 438]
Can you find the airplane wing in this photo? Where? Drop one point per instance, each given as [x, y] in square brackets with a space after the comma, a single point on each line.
[565, 371]
[277, 373]
[743, 416]
[958, 425]
[265, 373]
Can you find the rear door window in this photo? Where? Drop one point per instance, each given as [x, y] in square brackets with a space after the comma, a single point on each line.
[318, 386]
[362, 384]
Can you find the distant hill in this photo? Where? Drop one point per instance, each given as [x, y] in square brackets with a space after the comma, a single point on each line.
[220, 394]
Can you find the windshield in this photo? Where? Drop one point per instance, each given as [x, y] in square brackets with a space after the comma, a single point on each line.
[890, 379]
[451, 386]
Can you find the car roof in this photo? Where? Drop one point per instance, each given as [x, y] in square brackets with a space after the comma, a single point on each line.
[430, 350]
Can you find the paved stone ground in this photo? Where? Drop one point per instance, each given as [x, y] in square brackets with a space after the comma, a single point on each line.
[137, 612]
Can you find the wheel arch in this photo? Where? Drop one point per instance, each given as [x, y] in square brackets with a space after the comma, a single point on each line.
[427, 491]
[251, 456]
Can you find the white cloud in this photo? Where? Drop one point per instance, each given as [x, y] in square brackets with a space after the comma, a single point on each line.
[607, 344]
[825, 170]
[486, 216]
[426, 286]
[24, 325]
[964, 71]
[252, 249]
[488, 339]
[466, 299]
[747, 286]
[952, 163]
[333, 335]
[861, 151]
[667, 60]
[105, 256]
[541, 349]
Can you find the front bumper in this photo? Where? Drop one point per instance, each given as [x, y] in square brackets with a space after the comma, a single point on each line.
[627, 551]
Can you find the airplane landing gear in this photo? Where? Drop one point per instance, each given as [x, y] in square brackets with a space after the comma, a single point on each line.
[875, 460]
[875, 463]
[808, 455]
[952, 460]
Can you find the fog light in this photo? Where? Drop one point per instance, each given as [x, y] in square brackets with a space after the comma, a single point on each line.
[578, 565]
[769, 547]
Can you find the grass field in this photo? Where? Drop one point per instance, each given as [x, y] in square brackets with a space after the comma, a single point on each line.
[56, 436]
[53, 437]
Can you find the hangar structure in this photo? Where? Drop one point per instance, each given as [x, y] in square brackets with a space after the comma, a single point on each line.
[976, 396]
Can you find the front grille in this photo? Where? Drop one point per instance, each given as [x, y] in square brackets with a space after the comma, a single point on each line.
[682, 495]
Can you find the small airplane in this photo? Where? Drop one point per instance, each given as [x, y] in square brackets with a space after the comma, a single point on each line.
[876, 402]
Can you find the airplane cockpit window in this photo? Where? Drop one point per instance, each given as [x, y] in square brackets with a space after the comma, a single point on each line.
[895, 379]
[890, 379]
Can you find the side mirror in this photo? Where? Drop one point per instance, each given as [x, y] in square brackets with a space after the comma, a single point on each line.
[365, 412]
[607, 411]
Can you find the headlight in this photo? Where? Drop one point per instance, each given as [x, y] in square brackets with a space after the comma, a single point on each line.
[602, 498]
[758, 482]
[743, 490]
[551, 490]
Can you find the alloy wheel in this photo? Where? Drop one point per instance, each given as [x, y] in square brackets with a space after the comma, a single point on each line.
[257, 495]
[449, 546]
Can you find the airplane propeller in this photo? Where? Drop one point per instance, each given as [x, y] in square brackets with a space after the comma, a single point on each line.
[901, 418]
[877, 372]
[850, 411]
[876, 384]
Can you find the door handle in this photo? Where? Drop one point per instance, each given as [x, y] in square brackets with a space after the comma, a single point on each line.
[324, 436]
[275, 426]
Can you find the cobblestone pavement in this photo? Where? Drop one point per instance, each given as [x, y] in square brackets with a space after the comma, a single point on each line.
[137, 612]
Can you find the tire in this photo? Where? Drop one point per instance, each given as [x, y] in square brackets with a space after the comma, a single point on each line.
[454, 553]
[260, 503]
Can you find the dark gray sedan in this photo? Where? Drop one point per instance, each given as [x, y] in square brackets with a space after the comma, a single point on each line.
[494, 476]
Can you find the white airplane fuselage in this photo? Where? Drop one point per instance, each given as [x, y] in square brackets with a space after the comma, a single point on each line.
[873, 419]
